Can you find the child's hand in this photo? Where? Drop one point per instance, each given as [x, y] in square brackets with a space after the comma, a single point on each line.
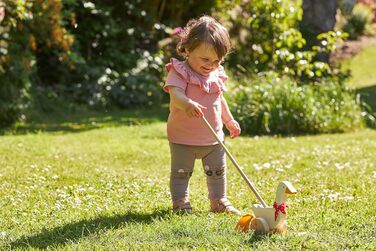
[234, 128]
[194, 109]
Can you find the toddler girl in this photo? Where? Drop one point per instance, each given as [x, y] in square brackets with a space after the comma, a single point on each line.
[196, 87]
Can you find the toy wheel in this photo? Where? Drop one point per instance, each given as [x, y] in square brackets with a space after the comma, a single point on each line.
[260, 225]
[244, 223]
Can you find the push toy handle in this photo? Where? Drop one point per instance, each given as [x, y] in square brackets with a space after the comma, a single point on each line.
[235, 163]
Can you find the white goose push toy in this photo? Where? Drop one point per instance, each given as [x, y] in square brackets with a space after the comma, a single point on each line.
[269, 219]
[266, 219]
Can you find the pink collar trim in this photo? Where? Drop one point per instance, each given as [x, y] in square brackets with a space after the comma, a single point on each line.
[214, 83]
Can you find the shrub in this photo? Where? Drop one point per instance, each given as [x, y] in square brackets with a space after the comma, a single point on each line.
[256, 27]
[359, 21]
[139, 86]
[15, 63]
[267, 104]
[118, 61]
[28, 29]
[267, 39]
[102, 53]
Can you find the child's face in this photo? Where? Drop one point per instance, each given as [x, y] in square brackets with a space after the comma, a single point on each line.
[203, 59]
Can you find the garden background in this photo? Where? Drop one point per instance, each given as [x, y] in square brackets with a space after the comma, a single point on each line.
[84, 160]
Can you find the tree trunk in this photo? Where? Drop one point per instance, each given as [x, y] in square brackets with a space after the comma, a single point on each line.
[319, 16]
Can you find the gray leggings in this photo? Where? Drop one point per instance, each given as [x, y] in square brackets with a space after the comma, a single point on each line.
[182, 162]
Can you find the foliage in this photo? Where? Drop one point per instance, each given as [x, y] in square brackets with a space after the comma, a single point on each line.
[255, 26]
[15, 62]
[372, 5]
[112, 53]
[29, 29]
[139, 86]
[122, 46]
[111, 41]
[267, 38]
[359, 21]
[303, 65]
[346, 6]
[267, 104]
[102, 53]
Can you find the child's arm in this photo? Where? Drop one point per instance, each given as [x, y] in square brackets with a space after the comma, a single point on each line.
[182, 102]
[228, 120]
[226, 114]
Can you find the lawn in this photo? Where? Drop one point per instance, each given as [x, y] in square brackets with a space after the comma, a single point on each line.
[106, 187]
[363, 75]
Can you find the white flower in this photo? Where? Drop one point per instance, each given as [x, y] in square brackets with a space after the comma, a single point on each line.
[89, 5]
[338, 166]
[288, 166]
[348, 197]
[333, 196]
[257, 167]
[130, 31]
[58, 205]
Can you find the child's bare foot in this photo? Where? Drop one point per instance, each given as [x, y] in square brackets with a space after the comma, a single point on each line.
[182, 206]
[223, 206]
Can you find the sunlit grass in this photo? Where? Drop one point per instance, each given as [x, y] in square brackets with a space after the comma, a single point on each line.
[363, 79]
[362, 67]
[107, 188]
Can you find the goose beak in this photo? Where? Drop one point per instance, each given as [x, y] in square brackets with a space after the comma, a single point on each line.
[290, 189]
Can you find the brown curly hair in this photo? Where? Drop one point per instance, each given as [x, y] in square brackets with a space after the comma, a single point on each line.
[204, 30]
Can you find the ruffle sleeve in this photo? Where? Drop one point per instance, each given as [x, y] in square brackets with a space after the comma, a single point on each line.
[222, 76]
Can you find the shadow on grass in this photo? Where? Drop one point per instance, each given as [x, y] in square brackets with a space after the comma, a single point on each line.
[71, 232]
[368, 95]
[83, 120]
[257, 237]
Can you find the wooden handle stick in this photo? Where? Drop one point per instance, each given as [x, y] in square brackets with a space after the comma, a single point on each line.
[235, 163]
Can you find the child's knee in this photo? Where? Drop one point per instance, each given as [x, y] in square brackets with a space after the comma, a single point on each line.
[214, 172]
[181, 173]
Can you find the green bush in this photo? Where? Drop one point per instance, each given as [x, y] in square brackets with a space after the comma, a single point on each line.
[267, 39]
[267, 104]
[111, 39]
[102, 53]
[139, 86]
[15, 64]
[256, 27]
[118, 58]
[28, 31]
[359, 21]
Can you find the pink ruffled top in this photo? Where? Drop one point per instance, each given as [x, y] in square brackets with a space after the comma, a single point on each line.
[206, 91]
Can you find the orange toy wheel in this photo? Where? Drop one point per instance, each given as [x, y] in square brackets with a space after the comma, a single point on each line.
[244, 223]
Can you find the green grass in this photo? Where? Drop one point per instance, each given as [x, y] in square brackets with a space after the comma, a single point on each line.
[107, 188]
[363, 75]
[362, 68]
